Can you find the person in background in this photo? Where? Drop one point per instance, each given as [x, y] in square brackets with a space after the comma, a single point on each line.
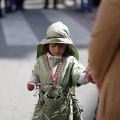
[104, 59]
[9, 6]
[86, 6]
[19, 4]
[46, 3]
[96, 3]
[0, 9]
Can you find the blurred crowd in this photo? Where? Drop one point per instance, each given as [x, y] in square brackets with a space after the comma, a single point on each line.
[10, 5]
[15, 5]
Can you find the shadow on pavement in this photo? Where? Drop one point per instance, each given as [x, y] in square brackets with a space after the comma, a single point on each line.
[38, 22]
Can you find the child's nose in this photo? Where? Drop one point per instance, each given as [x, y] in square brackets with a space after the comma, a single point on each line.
[57, 48]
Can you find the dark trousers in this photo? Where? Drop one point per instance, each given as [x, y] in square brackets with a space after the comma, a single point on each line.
[47, 3]
[19, 4]
[9, 5]
[0, 9]
[96, 3]
[85, 6]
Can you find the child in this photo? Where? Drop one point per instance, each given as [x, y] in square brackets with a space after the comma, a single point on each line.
[56, 71]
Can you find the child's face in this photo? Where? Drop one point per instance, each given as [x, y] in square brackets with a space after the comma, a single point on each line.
[57, 49]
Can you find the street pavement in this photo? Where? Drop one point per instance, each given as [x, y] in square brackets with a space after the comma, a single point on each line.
[20, 32]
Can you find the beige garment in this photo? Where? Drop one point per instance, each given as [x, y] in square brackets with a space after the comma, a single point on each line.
[104, 58]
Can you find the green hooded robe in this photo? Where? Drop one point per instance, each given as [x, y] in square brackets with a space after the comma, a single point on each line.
[56, 102]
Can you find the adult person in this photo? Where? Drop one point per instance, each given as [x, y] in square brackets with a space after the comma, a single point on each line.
[104, 59]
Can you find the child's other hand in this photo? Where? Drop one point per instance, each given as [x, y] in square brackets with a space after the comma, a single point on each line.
[31, 86]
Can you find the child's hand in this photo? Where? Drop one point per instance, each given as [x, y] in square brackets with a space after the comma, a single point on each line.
[31, 86]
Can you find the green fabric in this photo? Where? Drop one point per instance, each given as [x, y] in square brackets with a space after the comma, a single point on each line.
[67, 78]
[58, 33]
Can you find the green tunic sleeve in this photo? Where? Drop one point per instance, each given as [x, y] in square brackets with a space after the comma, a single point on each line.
[35, 70]
[77, 69]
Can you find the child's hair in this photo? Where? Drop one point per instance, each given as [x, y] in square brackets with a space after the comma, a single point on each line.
[45, 48]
